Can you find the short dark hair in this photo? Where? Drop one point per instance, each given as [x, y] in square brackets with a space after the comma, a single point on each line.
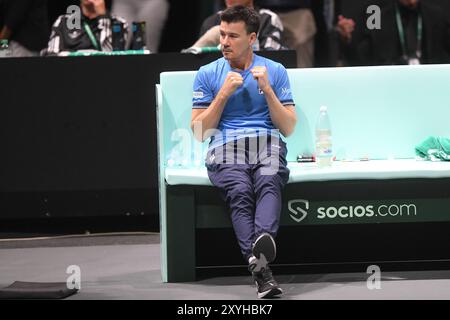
[241, 13]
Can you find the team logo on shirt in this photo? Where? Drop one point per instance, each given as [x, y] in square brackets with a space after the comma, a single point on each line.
[198, 94]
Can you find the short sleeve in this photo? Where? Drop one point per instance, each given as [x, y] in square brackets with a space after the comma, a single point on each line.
[202, 94]
[283, 87]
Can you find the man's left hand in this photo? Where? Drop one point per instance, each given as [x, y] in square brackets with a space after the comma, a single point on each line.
[260, 74]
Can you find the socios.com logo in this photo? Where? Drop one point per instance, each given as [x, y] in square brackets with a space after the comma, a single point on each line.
[393, 210]
[297, 213]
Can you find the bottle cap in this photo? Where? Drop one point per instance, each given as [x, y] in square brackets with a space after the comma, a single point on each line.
[323, 109]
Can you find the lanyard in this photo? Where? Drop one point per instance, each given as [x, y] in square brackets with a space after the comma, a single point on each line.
[401, 33]
[91, 36]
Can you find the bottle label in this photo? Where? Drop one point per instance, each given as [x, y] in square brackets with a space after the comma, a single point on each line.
[323, 144]
[324, 152]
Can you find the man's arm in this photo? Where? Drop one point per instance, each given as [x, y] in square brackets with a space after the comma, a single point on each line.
[208, 23]
[210, 39]
[203, 120]
[283, 117]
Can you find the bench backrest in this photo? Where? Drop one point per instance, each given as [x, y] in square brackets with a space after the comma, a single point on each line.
[376, 112]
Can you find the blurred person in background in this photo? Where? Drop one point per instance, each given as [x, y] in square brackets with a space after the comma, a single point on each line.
[153, 12]
[24, 23]
[326, 47]
[412, 32]
[299, 27]
[95, 32]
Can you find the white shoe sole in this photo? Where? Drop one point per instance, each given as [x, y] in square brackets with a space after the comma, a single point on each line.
[265, 245]
[270, 293]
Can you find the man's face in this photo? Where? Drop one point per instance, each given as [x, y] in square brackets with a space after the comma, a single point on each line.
[91, 4]
[234, 39]
[412, 4]
[246, 3]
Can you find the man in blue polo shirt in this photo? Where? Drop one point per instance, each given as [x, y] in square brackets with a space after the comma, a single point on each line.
[243, 102]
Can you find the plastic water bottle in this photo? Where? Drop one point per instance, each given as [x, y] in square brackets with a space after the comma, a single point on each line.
[5, 51]
[118, 39]
[324, 146]
[138, 42]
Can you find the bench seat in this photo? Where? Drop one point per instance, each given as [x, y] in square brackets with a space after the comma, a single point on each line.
[341, 170]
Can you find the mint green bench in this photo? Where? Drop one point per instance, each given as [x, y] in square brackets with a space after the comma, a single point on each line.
[379, 113]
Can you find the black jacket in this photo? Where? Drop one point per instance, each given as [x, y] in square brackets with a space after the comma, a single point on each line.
[383, 47]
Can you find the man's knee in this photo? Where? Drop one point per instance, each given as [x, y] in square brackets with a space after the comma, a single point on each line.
[241, 192]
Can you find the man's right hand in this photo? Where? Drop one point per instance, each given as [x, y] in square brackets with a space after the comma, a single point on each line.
[345, 28]
[233, 81]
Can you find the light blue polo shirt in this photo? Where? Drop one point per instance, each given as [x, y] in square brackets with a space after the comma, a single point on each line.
[246, 113]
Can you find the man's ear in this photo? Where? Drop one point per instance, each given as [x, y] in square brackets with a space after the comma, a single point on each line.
[252, 38]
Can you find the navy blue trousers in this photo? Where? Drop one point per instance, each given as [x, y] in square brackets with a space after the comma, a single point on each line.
[251, 184]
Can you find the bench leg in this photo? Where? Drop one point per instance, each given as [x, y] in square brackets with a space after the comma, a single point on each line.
[180, 234]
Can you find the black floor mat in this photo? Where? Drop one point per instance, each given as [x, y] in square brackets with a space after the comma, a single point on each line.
[36, 290]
